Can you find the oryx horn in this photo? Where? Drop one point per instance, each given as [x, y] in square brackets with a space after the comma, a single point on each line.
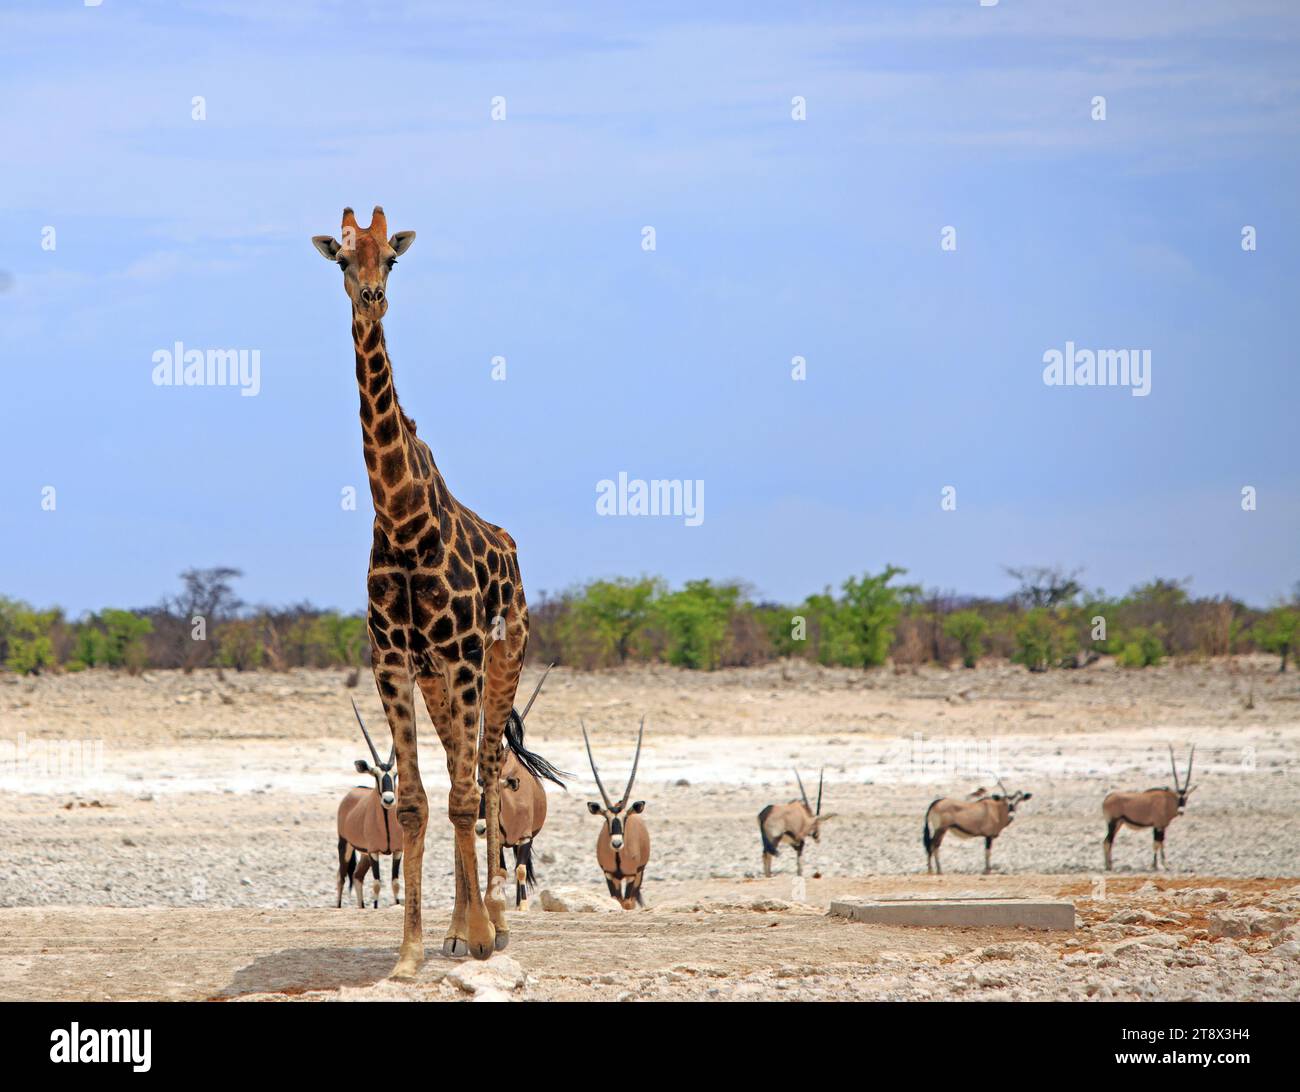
[536, 690]
[369, 742]
[603, 794]
[1173, 765]
[1187, 781]
[820, 778]
[635, 761]
[801, 791]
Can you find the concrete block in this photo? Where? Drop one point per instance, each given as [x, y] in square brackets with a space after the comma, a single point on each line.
[990, 913]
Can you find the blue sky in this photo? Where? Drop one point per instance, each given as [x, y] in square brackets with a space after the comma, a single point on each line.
[774, 238]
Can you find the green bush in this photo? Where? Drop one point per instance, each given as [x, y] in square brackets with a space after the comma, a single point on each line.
[1042, 640]
[696, 622]
[1279, 631]
[967, 628]
[1141, 648]
[606, 616]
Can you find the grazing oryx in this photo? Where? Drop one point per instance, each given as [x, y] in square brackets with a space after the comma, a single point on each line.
[523, 800]
[623, 845]
[1155, 808]
[793, 823]
[368, 826]
[980, 815]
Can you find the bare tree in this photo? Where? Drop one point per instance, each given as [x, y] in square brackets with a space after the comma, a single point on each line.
[1044, 585]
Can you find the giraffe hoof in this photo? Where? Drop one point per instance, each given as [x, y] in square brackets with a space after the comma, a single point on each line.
[503, 940]
[408, 964]
[455, 947]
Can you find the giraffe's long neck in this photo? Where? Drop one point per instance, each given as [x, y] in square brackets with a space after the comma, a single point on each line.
[400, 475]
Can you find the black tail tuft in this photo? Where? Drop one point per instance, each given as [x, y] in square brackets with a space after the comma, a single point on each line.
[534, 763]
[925, 833]
[768, 847]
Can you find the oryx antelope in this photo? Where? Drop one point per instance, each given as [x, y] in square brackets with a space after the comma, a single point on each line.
[793, 823]
[1154, 808]
[623, 845]
[368, 827]
[523, 800]
[981, 815]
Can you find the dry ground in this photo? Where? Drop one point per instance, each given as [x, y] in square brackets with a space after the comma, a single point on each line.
[172, 836]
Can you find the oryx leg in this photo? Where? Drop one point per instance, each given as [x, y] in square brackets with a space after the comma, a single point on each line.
[397, 872]
[935, 842]
[346, 860]
[767, 863]
[398, 696]
[455, 715]
[1157, 847]
[523, 858]
[615, 885]
[363, 868]
[988, 853]
[632, 894]
[798, 858]
[505, 663]
[1109, 843]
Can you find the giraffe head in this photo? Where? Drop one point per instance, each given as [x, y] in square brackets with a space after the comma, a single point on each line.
[366, 255]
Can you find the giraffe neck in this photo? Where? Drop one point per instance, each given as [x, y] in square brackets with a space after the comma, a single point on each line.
[399, 477]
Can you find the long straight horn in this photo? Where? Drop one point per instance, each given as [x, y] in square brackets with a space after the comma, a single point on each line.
[369, 741]
[1173, 765]
[536, 690]
[1188, 779]
[1000, 785]
[603, 794]
[820, 778]
[635, 762]
[801, 791]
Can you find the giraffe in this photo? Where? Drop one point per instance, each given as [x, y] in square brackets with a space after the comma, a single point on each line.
[446, 614]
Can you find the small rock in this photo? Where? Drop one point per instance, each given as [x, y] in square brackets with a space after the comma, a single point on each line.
[575, 900]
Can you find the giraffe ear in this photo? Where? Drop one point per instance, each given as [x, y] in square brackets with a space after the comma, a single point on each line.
[401, 242]
[328, 246]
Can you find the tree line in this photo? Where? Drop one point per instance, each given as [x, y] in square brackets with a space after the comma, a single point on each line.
[1050, 621]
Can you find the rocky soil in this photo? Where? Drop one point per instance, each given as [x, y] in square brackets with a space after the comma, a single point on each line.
[214, 798]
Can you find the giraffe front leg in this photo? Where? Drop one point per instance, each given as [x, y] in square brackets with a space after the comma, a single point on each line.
[435, 691]
[475, 929]
[397, 694]
[501, 680]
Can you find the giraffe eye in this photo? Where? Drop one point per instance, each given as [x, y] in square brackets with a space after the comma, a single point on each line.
[343, 264]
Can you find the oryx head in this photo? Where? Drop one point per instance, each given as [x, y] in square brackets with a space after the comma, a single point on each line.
[614, 813]
[1011, 798]
[384, 773]
[1185, 789]
[510, 784]
[816, 816]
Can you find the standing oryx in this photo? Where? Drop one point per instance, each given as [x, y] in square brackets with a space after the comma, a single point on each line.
[623, 845]
[367, 825]
[793, 823]
[523, 799]
[1154, 808]
[980, 815]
